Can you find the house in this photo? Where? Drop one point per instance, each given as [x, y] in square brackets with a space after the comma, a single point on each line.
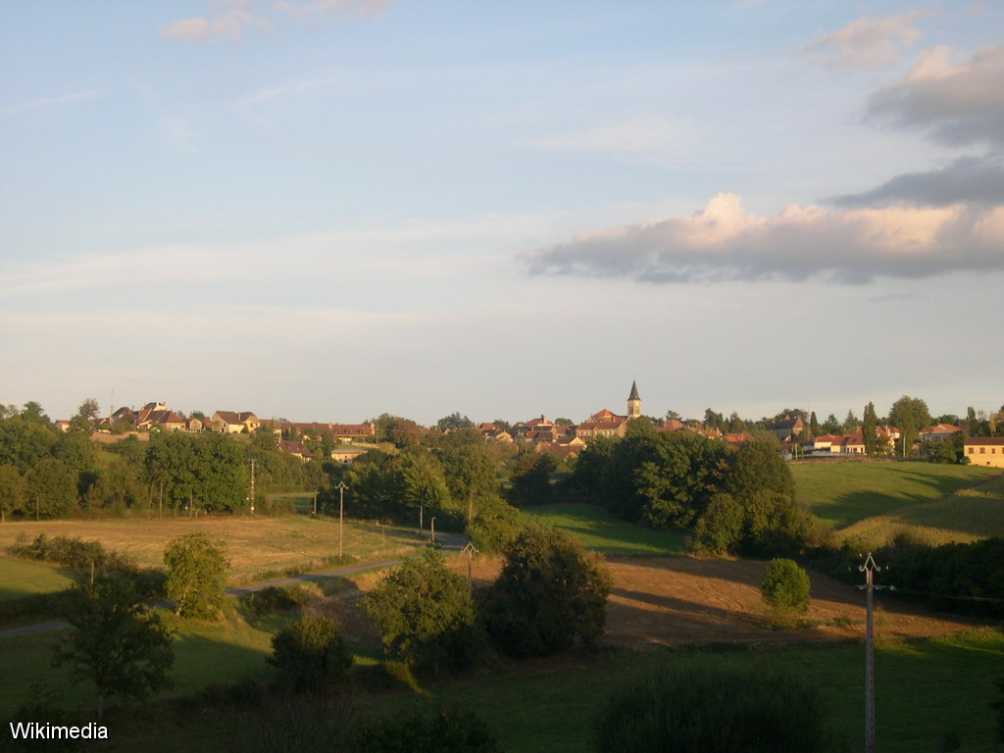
[194, 425]
[604, 423]
[938, 432]
[495, 433]
[296, 449]
[825, 442]
[62, 425]
[985, 451]
[560, 451]
[346, 455]
[788, 428]
[234, 422]
[162, 419]
[737, 438]
[353, 432]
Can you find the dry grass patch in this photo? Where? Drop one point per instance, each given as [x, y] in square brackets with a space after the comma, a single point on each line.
[254, 546]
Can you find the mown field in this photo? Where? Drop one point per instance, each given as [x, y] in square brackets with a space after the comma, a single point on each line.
[598, 530]
[256, 547]
[871, 502]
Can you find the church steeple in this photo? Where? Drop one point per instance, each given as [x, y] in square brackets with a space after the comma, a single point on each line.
[634, 402]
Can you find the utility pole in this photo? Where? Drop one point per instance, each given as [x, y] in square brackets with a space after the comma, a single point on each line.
[470, 550]
[252, 486]
[421, 517]
[315, 504]
[432, 524]
[341, 515]
[869, 568]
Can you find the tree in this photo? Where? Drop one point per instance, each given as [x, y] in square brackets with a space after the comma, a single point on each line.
[531, 478]
[468, 465]
[813, 425]
[310, 653]
[196, 575]
[426, 614]
[117, 643]
[909, 415]
[12, 491]
[831, 425]
[32, 411]
[719, 530]
[23, 443]
[786, 586]
[453, 422]
[851, 423]
[869, 428]
[550, 596]
[52, 488]
[713, 420]
[86, 419]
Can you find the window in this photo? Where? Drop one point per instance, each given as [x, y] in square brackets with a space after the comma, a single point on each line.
[983, 451]
[971, 450]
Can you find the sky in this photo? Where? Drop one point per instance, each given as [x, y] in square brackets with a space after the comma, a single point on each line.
[329, 209]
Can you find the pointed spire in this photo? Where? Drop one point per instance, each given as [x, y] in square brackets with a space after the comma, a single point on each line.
[634, 391]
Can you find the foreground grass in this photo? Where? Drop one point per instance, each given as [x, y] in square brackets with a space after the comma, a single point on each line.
[844, 493]
[256, 547]
[596, 529]
[550, 705]
[24, 577]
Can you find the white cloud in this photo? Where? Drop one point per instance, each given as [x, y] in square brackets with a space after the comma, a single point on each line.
[868, 42]
[725, 242]
[232, 20]
[308, 7]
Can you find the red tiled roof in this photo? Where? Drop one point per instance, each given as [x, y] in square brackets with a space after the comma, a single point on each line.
[985, 441]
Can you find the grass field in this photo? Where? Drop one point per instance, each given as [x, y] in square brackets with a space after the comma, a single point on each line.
[205, 652]
[600, 531]
[24, 577]
[871, 502]
[550, 705]
[254, 546]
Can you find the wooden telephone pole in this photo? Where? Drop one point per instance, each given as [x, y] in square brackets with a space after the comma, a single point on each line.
[470, 550]
[869, 568]
[341, 515]
[252, 486]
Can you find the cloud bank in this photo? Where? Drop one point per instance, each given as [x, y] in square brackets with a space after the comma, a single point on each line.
[967, 180]
[868, 42]
[956, 104]
[724, 242]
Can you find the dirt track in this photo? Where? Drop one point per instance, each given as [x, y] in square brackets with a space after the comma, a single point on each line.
[680, 600]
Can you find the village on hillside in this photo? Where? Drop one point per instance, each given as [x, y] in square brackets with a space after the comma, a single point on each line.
[799, 434]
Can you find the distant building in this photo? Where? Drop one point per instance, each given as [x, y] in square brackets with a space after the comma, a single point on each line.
[938, 431]
[63, 426]
[985, 451]
[788, 428]
[606, 423]
[234, 422]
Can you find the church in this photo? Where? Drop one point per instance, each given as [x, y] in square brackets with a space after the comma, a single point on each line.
[606, 423]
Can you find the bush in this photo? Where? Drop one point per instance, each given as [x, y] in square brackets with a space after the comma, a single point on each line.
[426, 614]
[310, 653]
[445, 732]
[495, 527]
[274, 599]
[196, 575]
[550, 596]
[785, 586]
[719, 530]
[715, 711]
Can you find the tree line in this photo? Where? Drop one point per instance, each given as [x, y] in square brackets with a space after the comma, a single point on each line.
[48, 473]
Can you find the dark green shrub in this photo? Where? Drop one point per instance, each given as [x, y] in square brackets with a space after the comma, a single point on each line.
[716, 711]
[310, 653]
[999, 706]
[719, 530]
[550, 596]
[426, 614]
[273, 600]
[496, 526]
[196, 575]
[444, 732]
[786, 586]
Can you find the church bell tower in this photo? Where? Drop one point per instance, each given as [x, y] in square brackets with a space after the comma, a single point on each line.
[634, 402]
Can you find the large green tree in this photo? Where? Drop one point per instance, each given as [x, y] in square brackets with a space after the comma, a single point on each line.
[869, 428]
[117, 643]
[12, 491]
[909, 415]
[52, 488]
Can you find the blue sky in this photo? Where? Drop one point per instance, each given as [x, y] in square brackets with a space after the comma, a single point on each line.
[324, 209]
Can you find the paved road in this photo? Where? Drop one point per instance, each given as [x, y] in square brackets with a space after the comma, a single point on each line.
[450, 542]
